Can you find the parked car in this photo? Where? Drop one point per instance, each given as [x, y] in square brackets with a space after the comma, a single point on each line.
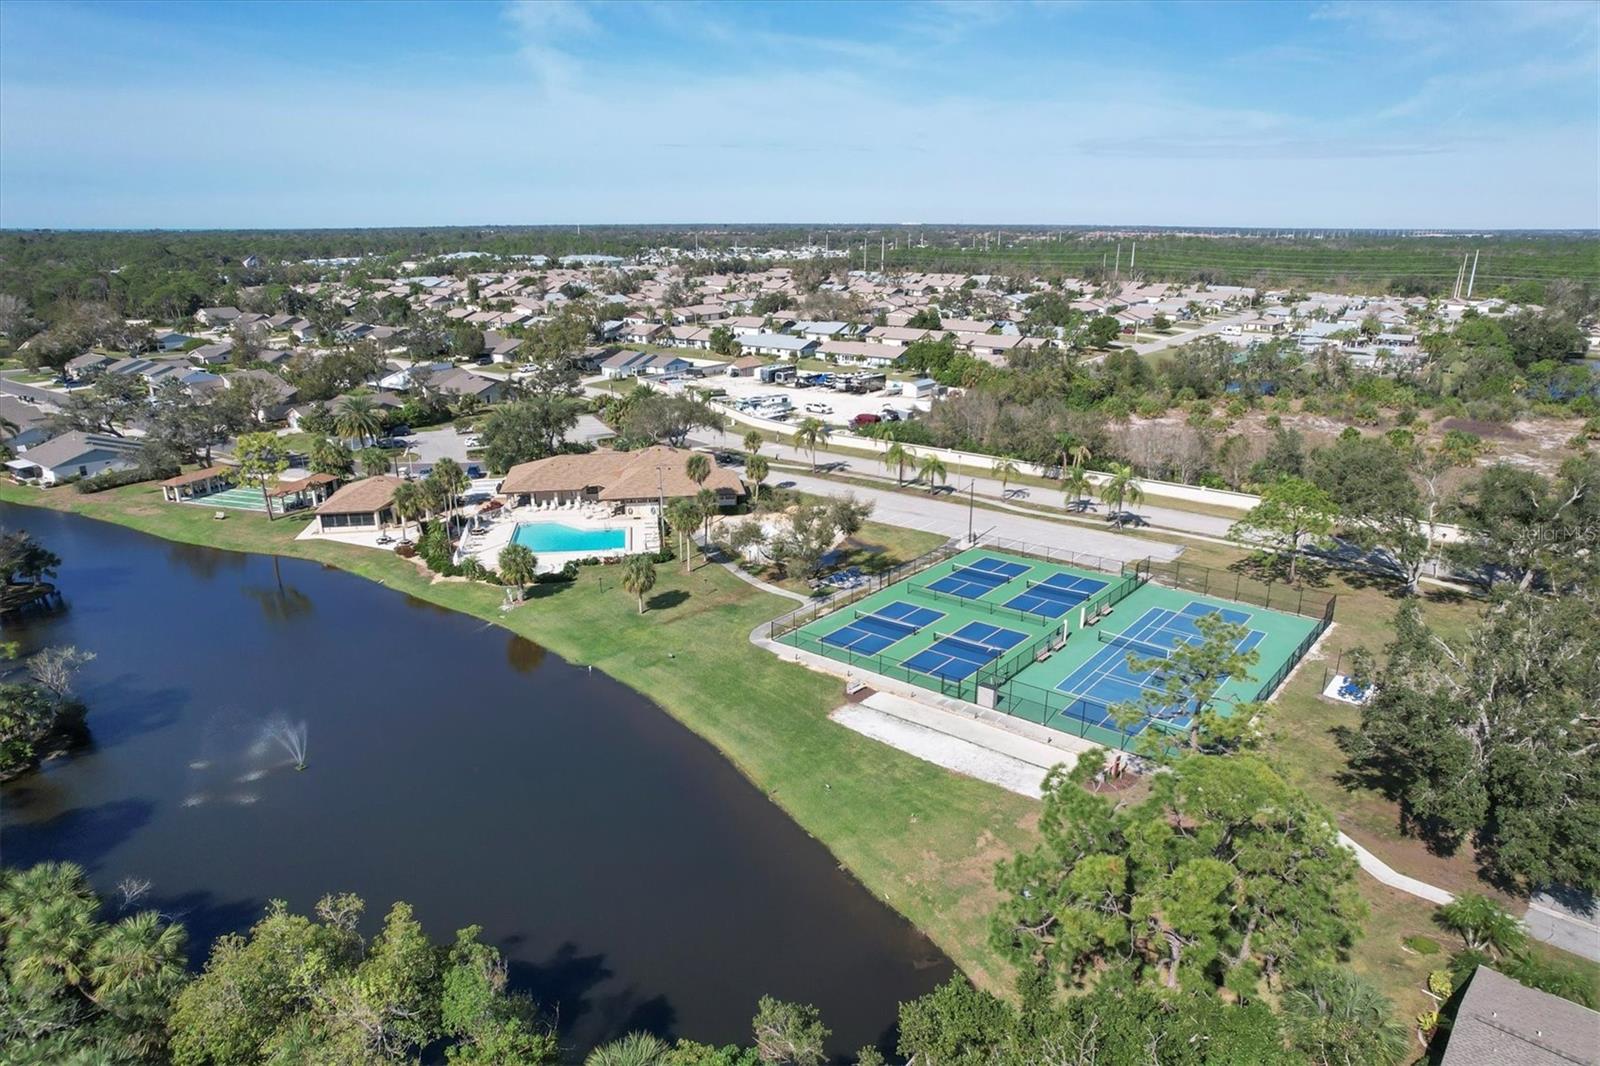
[473, 441]
[864, 420]
[818, 409]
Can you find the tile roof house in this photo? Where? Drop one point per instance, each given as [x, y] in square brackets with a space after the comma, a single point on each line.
[777, 344]
[1503, 1023]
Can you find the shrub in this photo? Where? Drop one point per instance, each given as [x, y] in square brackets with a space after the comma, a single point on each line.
[115, 479]
[406, 551]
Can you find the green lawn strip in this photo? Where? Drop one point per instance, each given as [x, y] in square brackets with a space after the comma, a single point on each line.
[923, 839]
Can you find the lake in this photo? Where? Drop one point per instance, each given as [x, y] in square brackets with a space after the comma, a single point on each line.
[632, 877]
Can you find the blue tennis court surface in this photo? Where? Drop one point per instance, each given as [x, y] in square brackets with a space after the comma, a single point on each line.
[1108, 679]
[961, 654]
[1056, 594]
[871, 633]
[979, 578]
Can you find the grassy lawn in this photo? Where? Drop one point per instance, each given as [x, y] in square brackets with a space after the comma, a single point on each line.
[878, 547]
[921, 838]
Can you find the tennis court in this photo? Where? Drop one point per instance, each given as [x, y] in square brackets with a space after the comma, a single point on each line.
[1056, 594]
[239, 498]
[869, 633]
[954, 656]
[975, 580]
[1016, 624]
[1108, 678]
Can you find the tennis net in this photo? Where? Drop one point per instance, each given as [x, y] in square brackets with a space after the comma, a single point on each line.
[891, 625]
[984, 649]
[1143, 648]
[1044, 588]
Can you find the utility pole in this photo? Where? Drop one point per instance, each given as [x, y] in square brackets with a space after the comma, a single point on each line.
[1474, 276]
[1117, 268]
[971, 505]
[661, 506]
[1132, 256]
[883, 250]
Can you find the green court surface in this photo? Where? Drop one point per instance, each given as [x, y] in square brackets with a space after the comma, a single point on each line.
[240, 498]
[1015, 624]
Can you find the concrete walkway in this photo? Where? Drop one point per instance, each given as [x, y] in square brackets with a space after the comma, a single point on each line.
[963, 745]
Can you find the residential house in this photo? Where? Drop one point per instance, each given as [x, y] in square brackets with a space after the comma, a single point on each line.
[217, 317]
[627, 364]
[277, 394]
[860, 353]
[211, 354]
[897, 336]
[686, 337]
[777, 344]
[76, 455]
[168, 341]
[33, 424]
[459, 382]
[85, 366]
[822, 331]
[500, 348]
[642, 332]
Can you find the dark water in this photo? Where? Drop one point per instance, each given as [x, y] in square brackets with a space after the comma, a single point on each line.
[631, 876]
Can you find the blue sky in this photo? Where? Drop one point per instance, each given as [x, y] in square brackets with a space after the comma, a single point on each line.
[299, 114]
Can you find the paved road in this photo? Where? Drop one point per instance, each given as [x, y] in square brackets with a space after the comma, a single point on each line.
[950, 518]
[32, 393]
[1215, 326]
[987, 488]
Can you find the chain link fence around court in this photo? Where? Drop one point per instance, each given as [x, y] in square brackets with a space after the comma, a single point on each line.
[1070, 713]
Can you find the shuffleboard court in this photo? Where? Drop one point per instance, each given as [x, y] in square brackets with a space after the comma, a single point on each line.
[1056, 594]
[979, 577]
[868, 633]
[954, 656]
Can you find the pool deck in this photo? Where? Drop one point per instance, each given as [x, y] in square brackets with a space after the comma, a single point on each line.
[488, 536]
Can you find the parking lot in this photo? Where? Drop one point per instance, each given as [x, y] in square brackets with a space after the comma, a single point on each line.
[842, 406]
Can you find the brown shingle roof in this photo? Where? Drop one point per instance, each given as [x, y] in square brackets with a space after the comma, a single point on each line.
[618, 475]
[197, 476]
[366, 496]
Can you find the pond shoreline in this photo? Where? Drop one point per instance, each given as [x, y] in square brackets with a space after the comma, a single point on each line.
[932, 863]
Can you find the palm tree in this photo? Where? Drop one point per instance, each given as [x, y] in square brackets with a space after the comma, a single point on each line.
[755, 470]
[138, 952]
[357, 416]
[518, 565]
[683, 514]
[452, 480]
[1080, 454]
[931, 470]
[635, 1049]
[1005, 468]
[698, 467]
[706, 502]
[898, 455]
[639, 577]
[753, 442]
[1075, 484]
[809, 435]
[1121, 488]
[409, 504]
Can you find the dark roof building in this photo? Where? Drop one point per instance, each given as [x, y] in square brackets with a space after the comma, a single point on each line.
[1503, 1023]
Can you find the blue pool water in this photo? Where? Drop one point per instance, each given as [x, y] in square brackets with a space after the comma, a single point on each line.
[556, 537]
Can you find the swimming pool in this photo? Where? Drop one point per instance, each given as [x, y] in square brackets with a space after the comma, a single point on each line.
[559, 537]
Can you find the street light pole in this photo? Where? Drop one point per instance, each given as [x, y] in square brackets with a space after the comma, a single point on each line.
[971, 504]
